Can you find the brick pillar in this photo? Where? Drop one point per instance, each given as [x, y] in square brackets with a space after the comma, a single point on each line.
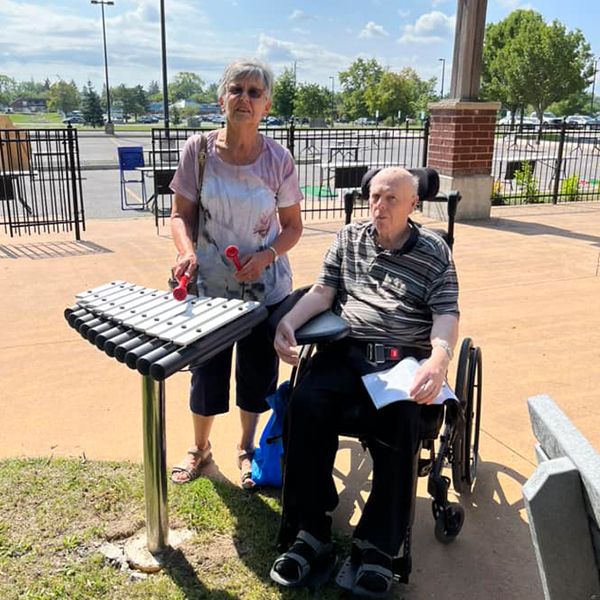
[461, 149]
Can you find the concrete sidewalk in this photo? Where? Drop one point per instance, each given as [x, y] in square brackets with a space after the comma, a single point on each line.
[529, 296]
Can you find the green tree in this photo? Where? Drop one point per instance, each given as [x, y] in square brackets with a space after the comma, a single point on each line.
[153, 88]
[133, 100]
[312, 100]
[355, 81]
[91, 106]
[175, 116]
[209, 94]
[31, 89]
[185, 86]
[8, 88]
[529, 62]
[63, 96]
[283, 94]
[405, 92]
[573, 104]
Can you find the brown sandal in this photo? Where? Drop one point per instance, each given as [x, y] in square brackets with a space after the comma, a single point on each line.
[192, 467]
[245, 474]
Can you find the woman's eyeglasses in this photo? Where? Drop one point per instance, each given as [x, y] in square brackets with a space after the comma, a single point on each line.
[254, 93]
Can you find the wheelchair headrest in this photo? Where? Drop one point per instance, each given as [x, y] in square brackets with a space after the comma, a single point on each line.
[429, 182]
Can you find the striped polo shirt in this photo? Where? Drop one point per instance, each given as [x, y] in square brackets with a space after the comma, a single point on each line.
[389, 296]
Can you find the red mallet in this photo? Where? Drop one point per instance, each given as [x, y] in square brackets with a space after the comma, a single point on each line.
[232, 253]
[180, 292]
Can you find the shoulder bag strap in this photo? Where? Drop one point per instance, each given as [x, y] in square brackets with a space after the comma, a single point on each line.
[201, 165]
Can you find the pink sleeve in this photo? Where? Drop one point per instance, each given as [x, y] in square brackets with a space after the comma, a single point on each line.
[289, 192]
[185, 180]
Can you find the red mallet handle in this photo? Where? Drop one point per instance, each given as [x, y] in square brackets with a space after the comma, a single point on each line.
[180, 292]
[232, 253]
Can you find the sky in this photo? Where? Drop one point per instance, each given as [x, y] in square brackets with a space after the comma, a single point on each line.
[62, 39]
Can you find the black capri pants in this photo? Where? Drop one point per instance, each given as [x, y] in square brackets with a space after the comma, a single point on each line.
[256, 369]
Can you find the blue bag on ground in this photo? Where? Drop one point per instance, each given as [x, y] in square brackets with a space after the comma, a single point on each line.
[266, 464]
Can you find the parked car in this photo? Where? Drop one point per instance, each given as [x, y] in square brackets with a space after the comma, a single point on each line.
[549, 118]
[365, 121]
[274, 121]
[528, 122]
[147, 119]
[580, 120]
[73, 119]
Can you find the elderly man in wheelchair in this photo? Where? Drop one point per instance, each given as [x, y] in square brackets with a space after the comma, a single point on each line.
[395, 285]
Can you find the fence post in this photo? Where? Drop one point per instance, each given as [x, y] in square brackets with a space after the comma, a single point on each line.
[73, 171]
[425, 141]
[290, 137]
[561, 145]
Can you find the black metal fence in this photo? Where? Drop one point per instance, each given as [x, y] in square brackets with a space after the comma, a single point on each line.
[40, 181]
[329, 161]
[559, 164]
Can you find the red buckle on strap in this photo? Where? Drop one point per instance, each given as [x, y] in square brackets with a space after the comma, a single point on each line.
[394, 353]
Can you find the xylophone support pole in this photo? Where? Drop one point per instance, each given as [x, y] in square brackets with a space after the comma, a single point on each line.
[155, 473]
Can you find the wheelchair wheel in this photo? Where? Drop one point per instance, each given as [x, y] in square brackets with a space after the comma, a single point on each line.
[466, 443]
[448, 523]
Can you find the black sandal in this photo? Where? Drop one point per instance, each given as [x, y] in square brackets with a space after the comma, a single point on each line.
[308, 563]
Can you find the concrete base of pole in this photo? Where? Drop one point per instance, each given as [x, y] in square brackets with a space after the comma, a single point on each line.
[475, 203]
[138, 556]
[109, 128]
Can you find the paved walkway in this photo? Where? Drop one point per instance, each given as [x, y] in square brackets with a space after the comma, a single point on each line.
[530, 283]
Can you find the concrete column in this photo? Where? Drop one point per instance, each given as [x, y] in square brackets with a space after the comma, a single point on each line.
[461, 149]
[468, 49]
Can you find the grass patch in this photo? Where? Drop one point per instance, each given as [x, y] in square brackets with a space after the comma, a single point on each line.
[56, 513]
[318, 191]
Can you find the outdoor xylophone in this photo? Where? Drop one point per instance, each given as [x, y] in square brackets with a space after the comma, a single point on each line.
[151, 331]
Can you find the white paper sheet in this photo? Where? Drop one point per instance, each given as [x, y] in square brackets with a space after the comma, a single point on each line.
[392, 385]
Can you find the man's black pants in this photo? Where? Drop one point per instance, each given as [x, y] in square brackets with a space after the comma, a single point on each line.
[330, 391]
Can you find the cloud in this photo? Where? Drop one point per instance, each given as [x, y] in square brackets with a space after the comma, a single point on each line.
[372, 30]
[300, 15]
[274, 50]
[403, 13]
[430, 27]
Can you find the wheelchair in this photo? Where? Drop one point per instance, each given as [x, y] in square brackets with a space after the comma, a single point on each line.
[459, 421]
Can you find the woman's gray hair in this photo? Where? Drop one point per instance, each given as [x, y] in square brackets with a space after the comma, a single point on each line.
[243, 68]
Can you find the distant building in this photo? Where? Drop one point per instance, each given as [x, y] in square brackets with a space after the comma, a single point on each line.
[209, 108]
[183, 104]
[155, 107]
[29, 105]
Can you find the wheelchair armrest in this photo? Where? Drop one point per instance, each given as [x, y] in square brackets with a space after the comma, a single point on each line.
[325, 327]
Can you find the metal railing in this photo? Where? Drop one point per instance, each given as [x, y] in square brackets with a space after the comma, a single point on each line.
[329, 161]
[559, 164]
[40, 181]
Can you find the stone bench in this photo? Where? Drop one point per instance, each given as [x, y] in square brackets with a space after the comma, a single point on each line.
[562, 499]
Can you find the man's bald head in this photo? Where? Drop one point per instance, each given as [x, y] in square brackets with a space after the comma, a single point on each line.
[397, 177]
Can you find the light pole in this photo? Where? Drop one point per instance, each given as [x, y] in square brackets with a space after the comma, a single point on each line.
[443, 61]
[332, 98]
[109, 127]
[593, 86]
[165, 85]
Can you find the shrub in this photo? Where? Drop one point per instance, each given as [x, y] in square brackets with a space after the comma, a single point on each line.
[569, 187]
[526, 181]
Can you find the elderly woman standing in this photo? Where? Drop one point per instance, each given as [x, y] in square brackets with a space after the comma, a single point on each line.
[250, 197]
